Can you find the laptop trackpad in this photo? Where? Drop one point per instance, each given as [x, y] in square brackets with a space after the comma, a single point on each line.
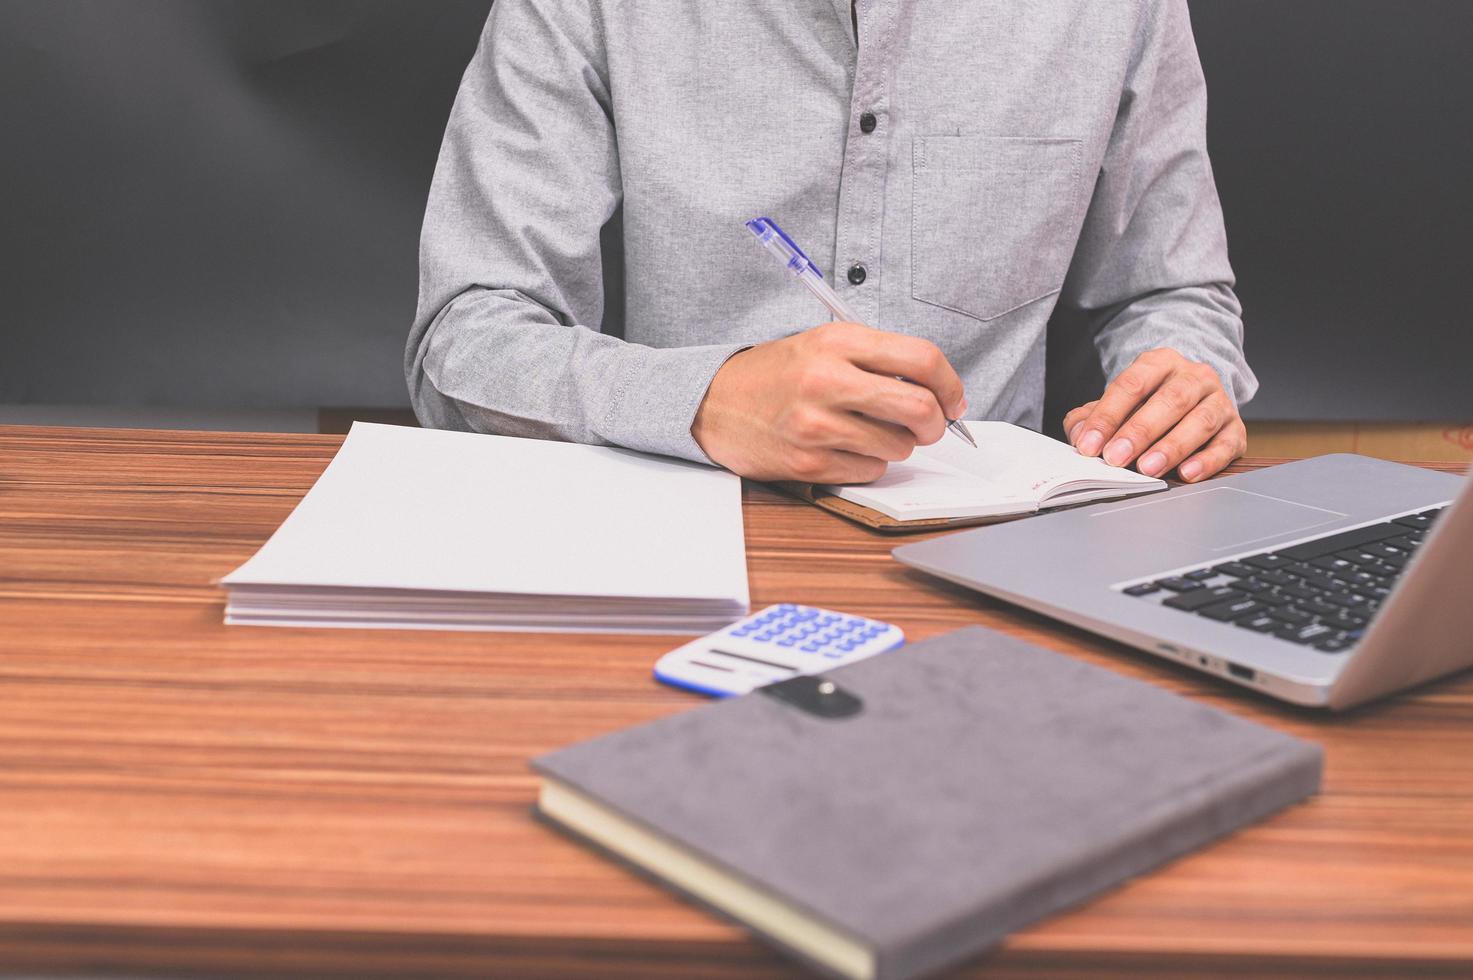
[1217, 519]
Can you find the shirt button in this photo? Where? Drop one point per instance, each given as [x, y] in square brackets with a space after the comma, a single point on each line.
[856, 274]
[867, 122]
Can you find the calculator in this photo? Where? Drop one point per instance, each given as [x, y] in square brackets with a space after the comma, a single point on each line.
[772, 645]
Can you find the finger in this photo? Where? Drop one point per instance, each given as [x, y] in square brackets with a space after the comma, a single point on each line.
[889, 400]
[1176, 398]
[810, 427]
[865, 436]
[1225, 447]
[914, 359]
[1122, 397]
[826, 466]
[1190, 434]
[1074, 421]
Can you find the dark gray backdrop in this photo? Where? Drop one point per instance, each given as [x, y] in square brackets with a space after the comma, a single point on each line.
[216, 202]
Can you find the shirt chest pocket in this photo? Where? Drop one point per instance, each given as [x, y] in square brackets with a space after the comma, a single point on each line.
[994, 220]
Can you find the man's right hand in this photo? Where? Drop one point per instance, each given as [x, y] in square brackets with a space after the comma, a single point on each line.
[826, 405]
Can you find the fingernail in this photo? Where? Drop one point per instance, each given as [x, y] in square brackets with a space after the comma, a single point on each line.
[1153, 463]
[1074, 433]
[1091, 443]
[1118, 453]
[1190, 469]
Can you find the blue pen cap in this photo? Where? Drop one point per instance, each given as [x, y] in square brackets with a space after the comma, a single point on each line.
[776, 241]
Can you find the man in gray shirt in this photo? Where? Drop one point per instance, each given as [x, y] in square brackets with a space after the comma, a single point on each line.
[961, 168]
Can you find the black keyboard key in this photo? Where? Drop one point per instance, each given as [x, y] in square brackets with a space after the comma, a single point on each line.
[1266, 562]
[1345, 620]
[1291, 615]
[1357, 557]
[1406, 542]
[1259, 623]
[1200, 575]
[1339, 542]
[1420, 522]
[1323, 583]
[1145, 588]
[1334, 644]
[1197, 598]
[1339, 566]
[1277, 578]
[1250, 585]
[1297, 592]
[1384, 551]
[1306, 634]
[1178, 584]
[1319, 606]
[1236, 569]
[1231, 609]
[1274, 598]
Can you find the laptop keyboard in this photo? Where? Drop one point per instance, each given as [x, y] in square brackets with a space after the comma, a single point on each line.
[1321, 593]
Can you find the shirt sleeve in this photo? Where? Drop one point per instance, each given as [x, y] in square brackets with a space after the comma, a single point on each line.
[1151, 268]
[506, 335]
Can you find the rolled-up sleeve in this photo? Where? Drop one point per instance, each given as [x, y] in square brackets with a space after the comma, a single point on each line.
[506, 337]
[1151, 268]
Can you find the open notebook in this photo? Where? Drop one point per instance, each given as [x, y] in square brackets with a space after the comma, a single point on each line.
[1014, 471]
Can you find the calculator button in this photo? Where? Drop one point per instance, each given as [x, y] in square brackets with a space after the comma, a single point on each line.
[810, 647]
[786, 642]
[833, 654]
[787, 607]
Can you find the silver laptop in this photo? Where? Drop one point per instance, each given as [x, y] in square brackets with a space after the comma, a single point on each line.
[1326, 582]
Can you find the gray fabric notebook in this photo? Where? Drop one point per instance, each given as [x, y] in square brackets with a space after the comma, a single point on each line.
[983, 784]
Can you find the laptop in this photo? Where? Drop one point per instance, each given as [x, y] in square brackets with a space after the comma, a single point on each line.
[1326, 582]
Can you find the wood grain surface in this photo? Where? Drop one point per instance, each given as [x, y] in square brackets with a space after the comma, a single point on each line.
[181, 797]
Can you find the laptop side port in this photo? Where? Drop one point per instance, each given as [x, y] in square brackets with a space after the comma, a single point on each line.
[1241, 672]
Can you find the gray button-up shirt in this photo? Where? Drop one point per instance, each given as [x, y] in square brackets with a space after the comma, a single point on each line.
[1024, 155]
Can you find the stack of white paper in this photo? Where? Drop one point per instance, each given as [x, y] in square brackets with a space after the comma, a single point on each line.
[423, 529]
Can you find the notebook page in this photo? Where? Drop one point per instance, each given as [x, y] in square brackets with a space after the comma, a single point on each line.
[1025, 463]
[928, 486]
[1013, 470]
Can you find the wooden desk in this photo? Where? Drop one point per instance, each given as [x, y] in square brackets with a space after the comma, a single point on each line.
[176, 795]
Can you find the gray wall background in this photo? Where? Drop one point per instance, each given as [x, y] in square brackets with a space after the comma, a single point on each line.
[216, 203]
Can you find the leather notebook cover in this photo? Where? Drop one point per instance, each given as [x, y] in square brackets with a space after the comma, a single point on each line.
[873, 519]
[983, 784]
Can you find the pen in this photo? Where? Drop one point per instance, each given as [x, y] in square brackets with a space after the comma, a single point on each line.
[776, 241]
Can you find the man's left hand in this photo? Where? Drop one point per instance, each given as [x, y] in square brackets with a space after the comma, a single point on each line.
[1163, 411]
